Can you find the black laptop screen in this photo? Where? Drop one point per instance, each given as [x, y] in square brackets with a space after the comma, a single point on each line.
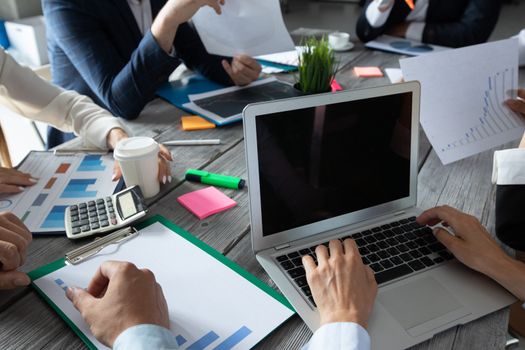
[322, 162]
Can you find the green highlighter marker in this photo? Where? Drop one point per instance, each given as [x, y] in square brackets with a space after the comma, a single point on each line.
[214, 179]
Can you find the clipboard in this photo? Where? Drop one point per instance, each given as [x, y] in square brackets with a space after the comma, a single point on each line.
[38, 203]
[254, 309]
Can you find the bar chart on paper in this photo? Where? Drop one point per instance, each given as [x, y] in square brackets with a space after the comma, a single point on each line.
[494, 118]
[62, 181]
[463, 96]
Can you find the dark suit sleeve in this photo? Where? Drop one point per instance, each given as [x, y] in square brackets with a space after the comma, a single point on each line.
[364, 30]
[510, 215]
[474, 27]
[190, 49]
[124, 87]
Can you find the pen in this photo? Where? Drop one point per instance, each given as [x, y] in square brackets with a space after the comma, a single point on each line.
[70, 151]
[215, 179]
[192, 142]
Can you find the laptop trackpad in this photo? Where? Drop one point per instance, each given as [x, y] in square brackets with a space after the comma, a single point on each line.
[422, 305]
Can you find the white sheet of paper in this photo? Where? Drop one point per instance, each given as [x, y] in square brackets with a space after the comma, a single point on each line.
[403, 46]
[62, 181]
[250, 27]
[395, 75]
[204, 296]
[462, 97]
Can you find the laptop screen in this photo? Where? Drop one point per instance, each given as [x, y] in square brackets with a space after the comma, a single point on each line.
[322, 162]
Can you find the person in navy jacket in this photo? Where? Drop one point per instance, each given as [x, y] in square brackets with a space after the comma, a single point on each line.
[118, 52]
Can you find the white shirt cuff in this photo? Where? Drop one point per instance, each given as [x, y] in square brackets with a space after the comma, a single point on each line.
[415, 31]
[509, 167]
[145, 336]
[375, 17]
[339, 336]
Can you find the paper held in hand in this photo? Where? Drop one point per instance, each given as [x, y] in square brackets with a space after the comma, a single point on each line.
[250, 27]
[463, 94]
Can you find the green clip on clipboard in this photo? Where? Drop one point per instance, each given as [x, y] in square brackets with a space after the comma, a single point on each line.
[213, 302]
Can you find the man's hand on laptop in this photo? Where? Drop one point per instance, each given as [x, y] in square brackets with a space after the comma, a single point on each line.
[472, 245]
[120, 296]
[343, 288]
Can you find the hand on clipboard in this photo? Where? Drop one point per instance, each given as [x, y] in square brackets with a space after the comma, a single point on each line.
[120, 291]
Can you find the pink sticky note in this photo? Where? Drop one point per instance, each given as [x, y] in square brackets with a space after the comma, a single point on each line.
[336, 86]
[206, 202]
[368, 72]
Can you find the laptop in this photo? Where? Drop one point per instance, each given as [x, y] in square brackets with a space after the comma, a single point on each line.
[345, 164]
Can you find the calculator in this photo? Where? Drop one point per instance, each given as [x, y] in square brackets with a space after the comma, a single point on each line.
[103, 215]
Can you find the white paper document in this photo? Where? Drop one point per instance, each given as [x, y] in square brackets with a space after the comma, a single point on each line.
[63, 180]
[462, 97]
[395, 75]
[210, 305]
[250, 27]
[403, 46]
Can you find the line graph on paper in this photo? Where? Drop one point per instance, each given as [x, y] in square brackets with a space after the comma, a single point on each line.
[494, 117]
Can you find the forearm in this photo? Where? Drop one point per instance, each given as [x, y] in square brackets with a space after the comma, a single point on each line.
[510, 274]
[164, 30]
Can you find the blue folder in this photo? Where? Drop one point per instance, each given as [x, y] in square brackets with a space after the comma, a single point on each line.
[176, 92]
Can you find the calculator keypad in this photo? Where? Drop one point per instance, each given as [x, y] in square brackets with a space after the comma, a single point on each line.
[92, 215]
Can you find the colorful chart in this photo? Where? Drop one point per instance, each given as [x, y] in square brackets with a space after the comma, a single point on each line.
[77, 188]
[61, 284]
[40, 200]
[92, 163]
[211, 337]
[55, 218]
[62, 168]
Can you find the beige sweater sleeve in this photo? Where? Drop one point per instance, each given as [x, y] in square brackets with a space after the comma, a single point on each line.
[24, 92]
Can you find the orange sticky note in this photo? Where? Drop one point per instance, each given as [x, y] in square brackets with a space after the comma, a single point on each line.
[195, 123]
[206, 202]
[410, 4]
[368, 72]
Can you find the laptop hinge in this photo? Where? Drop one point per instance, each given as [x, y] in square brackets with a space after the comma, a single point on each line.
[281, 247]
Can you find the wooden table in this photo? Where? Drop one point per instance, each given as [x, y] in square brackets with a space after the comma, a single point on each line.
[28, 322]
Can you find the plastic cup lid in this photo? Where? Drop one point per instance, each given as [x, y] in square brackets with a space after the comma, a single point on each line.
[135, 147]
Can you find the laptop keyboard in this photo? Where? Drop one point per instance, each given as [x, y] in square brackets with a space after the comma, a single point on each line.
[392, 250]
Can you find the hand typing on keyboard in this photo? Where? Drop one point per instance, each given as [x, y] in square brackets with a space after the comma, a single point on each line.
[344, 289]
[474, 247]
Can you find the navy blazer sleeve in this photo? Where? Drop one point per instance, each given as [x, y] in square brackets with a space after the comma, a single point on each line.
[448, 23]
[510, 218]
[473, 27]
[124, 87]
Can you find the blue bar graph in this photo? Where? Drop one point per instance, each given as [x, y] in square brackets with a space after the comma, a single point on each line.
[234, 339]
[92, 163]
[77, 188]
[180, 340]
[55, 218]
[61, 284]
[203, 342]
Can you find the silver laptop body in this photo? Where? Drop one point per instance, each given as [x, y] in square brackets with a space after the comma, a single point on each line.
[317, 149]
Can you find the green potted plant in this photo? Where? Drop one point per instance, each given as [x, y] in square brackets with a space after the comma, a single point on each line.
[317, 66]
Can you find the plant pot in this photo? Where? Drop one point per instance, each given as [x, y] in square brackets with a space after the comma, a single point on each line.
[297, 86]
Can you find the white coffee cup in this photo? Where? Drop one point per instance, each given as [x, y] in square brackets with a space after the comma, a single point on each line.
[338, 40]
[138, 159]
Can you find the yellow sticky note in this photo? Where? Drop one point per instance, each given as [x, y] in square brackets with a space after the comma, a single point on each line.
[368, 72]
[195, 123]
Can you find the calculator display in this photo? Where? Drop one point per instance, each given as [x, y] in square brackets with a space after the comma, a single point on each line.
[127, 205]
